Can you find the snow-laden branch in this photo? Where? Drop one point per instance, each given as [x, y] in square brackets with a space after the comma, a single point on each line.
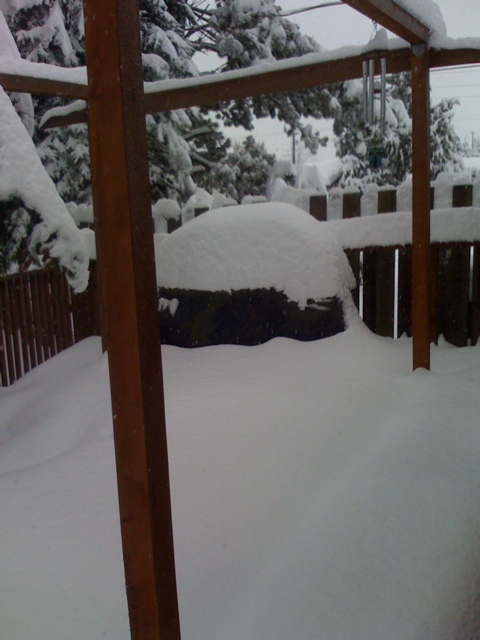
[23, 176]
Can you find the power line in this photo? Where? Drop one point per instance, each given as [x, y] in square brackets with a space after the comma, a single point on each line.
[292, 12]
[459, 69]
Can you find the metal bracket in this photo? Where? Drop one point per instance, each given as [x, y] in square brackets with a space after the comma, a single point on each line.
[418, 49]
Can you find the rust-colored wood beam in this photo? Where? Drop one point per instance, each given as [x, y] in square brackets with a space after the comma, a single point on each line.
[121, 191]
[64, 120]
[43, 86]
[421, 206]
[393, 17]
[302, 77]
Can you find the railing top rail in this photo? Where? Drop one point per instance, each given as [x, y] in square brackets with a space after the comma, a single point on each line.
[31, 272]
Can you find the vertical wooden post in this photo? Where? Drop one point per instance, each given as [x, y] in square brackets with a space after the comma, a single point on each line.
[121, 191]
[421, 206]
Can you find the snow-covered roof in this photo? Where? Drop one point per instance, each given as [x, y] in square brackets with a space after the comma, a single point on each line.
[268, 245]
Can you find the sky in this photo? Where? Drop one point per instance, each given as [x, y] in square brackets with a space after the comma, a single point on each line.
[337, 26]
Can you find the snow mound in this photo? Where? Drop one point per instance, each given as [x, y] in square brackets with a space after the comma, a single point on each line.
[268, 245]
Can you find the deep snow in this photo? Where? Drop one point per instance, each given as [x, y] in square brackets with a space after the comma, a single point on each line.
[320, 491]
[263, 245]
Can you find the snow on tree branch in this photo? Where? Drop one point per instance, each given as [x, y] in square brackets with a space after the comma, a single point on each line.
[23, 177]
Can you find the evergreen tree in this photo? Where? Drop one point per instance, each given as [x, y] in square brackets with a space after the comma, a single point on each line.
[16, 225]
[244, 171]
[247, 34]
[47, 31]
[446, 147]
[52, 31]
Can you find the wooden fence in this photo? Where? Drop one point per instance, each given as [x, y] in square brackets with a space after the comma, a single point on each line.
[39, 317]
[383, 293]
[384, 279]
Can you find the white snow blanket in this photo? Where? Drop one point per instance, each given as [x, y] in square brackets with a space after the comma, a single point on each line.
[321, 491]
[388, 229]
[255, 246]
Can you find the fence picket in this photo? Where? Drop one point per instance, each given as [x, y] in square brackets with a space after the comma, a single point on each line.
[369, 285]
[351, 205]
[385, 274]
[37, 318]
[57, 324]
[8, 332]
[4, 380]
[475, 305]
[353, 256]
[26, 287]
[15, 326]
[454, 294]
[49, 314]
[66, 309]
[404, 292]
[23, 324]
[434, 293]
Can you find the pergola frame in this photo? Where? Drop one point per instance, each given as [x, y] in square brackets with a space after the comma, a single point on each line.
[120, 183]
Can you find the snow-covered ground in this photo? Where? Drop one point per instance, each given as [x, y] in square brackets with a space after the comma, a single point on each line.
[320, 491]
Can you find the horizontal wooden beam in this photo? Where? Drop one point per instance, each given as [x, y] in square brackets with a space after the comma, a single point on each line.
[393, 17]
[219, 89]
[43, 86]
[453, 57]
[74, 117]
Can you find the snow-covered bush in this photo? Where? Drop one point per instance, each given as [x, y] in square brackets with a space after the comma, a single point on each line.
[248, 273]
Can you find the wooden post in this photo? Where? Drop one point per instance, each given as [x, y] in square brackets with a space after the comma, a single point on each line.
[318, 207]
[385, 273]
[121, 191]
[421, 206]
[351, 205]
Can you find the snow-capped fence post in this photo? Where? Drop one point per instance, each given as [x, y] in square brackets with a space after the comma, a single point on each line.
[351, 204]
[462, 195]
[199, 211]
[318, 207]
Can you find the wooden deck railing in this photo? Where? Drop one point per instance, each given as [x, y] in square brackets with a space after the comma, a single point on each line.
[383, 292]
[39, 317]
